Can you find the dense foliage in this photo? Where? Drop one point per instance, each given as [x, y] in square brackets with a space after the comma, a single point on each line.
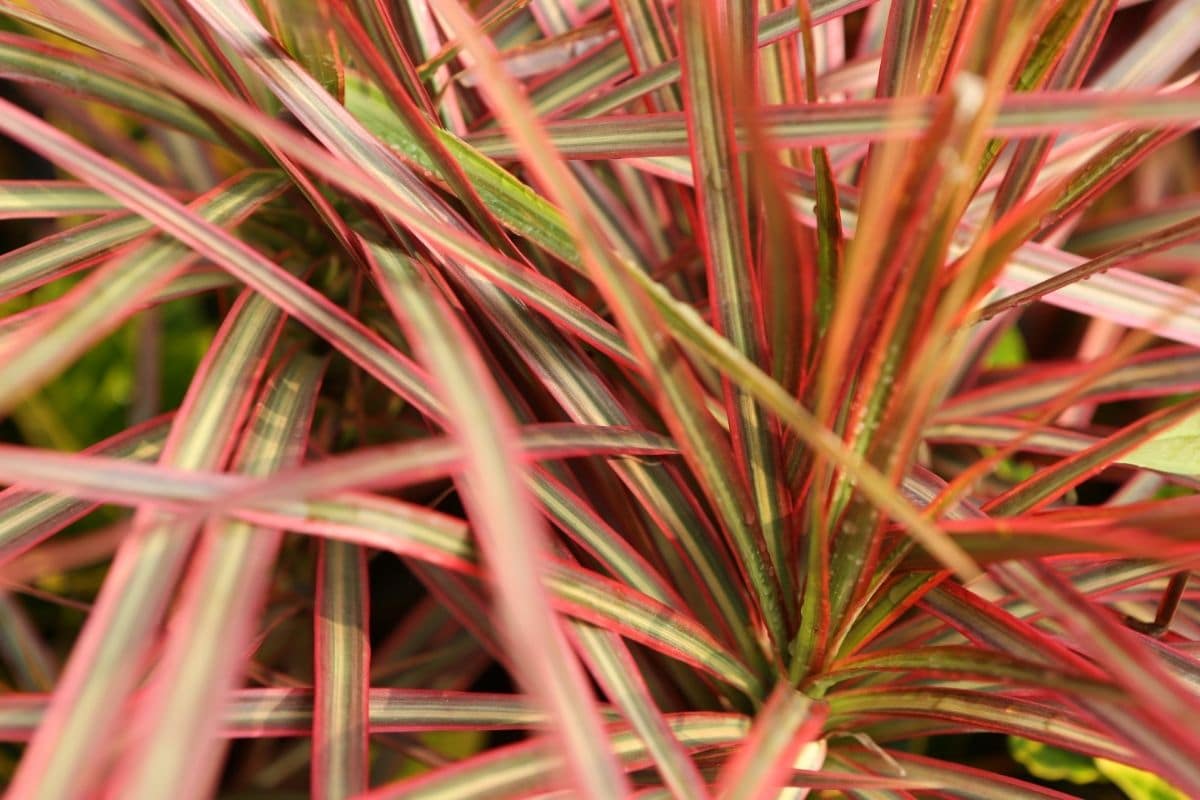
[682, 399]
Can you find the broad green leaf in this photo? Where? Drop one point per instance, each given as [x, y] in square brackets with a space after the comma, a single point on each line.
[1138, 784]
[1008, 351]
[1175, 450]
[1156, 725]
[1053, 763]
[1058, 478]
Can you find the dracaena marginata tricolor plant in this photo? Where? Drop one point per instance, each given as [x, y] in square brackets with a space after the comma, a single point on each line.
[528, 398]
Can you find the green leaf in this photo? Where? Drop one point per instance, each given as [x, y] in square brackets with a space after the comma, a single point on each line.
[1136, 783]
[1051, 763]
[1068, 473]
[1008, 351]
[1175, 450]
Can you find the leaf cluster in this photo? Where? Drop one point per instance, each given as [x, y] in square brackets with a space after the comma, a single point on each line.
[693, 399]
